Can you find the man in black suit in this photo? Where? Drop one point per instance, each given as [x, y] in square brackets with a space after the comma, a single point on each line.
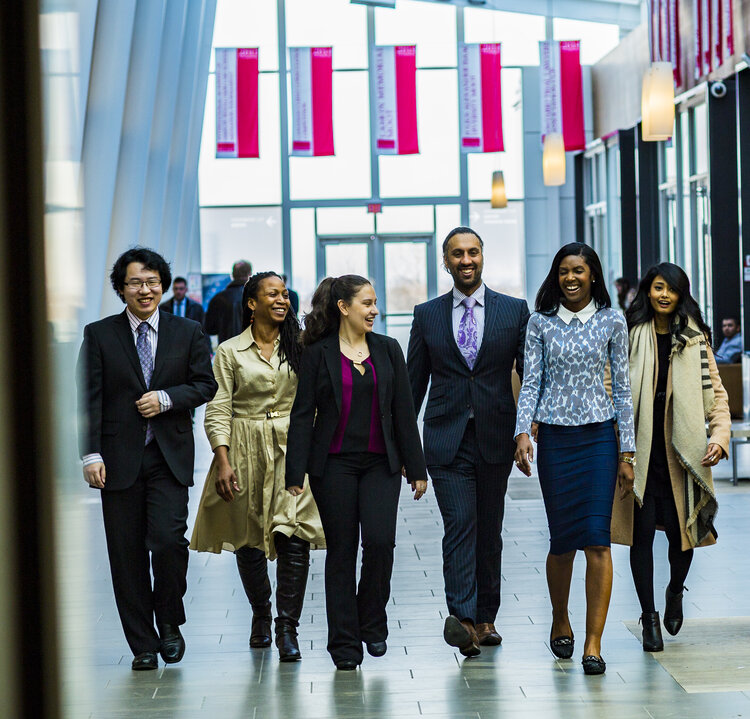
[140, 373]
[181, 305]
[224, 314]
[466, 342]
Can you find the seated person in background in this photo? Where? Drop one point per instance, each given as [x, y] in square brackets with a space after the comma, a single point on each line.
[730, 350]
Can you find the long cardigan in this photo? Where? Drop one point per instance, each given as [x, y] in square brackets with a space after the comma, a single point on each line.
[719, 431]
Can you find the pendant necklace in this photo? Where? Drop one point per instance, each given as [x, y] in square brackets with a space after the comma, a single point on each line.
[360, 353]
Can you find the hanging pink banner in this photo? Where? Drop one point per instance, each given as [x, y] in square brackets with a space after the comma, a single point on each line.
[562, 92]
[706, 54]
[728, 29]
[717, 35]
[395, 100]
[236, 102]
[311, 70]
[697, 39]
[481, 111]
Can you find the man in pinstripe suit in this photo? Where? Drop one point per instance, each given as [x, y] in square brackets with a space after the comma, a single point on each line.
[466, 342]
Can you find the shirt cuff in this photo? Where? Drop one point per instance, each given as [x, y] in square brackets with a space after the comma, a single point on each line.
[165, 401]
[219, 440]
[88, 459]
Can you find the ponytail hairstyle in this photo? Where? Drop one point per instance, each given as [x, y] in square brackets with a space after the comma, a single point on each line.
[290, 349]
[641, 311]
[325, 315]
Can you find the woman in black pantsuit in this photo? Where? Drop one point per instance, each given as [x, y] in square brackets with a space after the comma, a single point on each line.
[352, 430]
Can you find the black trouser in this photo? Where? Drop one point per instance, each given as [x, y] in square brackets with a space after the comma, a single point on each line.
[357, 493]
[145, 526]
[662, 511]
[471, 497]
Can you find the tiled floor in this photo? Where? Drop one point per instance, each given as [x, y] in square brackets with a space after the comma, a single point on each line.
[220, 678]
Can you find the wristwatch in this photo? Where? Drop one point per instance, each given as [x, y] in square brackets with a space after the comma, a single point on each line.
[628, 460]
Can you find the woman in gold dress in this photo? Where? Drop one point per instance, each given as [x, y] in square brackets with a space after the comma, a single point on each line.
[245, 507]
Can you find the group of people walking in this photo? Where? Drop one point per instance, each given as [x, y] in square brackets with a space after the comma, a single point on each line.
[314, 430]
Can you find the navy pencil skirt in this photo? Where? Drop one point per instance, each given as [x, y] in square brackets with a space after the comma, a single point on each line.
[577, 468]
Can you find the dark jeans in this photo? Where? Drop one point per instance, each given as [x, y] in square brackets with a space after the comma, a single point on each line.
[145, 526]
[471, 497]
[357, 494]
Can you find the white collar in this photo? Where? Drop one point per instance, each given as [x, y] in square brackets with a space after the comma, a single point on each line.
[583, 315]
[459, 297]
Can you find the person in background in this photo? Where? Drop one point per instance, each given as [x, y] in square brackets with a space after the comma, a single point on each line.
[625, 293]
[569, 339]
[245, 507]
[293, 297]
[224, 314]
[180, 305]
[353, 430]
[463, 344]
[676, 390]
[139, 374]
[730, 350]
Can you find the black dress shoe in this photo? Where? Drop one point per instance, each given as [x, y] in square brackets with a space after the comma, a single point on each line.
[461, 634]
[562, 646]
[593, 665]
[673, 611]
[260, 632]
[144, 661]
[652, 641]
[347, 665]
[376, 649]
[172, 644]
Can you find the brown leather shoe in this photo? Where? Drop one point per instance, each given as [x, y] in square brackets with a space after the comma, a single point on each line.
[461, 634]
[487, 635]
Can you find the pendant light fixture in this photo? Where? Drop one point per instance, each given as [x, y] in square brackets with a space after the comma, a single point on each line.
[553, 160]
[657, 102]
[499, 197]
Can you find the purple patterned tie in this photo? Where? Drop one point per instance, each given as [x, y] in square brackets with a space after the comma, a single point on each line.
[467, 332]
[143, 347]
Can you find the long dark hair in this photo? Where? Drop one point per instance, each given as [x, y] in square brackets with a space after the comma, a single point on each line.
[325, 316]
[290, 349]
[641, 311]
[550, 295]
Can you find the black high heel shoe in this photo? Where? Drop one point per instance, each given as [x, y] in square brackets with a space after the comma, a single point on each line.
[673, 611]
[652, 641]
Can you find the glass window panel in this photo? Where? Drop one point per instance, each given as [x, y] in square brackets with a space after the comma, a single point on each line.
[229, 234]
[597, 38]
[446, 218]
[329, 23]
[347, 173]
[504, 245]
[684, 119]
[243, 181]
[670, 160]
[482, 165]
[434, 171]
[304, 265]
[346, 258]
[417, 218]
[701, 140]
[345, 221]
[519, 33]
[248, 23]
[405, 275]
[431, 27]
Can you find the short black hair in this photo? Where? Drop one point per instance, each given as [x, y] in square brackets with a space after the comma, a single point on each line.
[734, 319]
[179, 279]
[461, 231]
[148, 258]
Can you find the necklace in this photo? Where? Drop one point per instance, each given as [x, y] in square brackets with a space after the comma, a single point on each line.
[360, 353]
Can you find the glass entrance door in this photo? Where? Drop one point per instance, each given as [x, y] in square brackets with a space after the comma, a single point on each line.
[401, 267]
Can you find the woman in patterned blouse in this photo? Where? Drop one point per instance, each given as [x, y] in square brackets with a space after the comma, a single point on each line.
[569, 339]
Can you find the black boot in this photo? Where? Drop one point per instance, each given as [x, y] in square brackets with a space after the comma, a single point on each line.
[673, 611]
[652, 641]
[291, 579]
[251, 563]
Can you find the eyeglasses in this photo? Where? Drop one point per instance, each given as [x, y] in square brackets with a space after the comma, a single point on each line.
[151, 282]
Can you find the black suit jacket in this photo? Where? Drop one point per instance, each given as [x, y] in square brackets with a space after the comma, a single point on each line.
[110, 380]
[317, 409]
[224, 313]
[193, 309]
[455, 389]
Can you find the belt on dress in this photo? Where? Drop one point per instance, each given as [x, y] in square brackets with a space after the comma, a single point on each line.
[268, 414]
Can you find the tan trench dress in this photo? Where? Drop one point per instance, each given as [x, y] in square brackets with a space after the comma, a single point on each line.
[250, 415]
[719, 431]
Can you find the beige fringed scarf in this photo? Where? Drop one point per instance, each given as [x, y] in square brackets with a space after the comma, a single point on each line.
[692, 399]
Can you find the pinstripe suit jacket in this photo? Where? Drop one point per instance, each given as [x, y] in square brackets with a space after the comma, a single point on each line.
[455, 389]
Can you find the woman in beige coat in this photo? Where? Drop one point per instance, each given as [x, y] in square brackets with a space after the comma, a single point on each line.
[245, 507]
[676, 389]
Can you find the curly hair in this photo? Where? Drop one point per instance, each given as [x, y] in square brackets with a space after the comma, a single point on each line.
[290, 349]
[325, 316]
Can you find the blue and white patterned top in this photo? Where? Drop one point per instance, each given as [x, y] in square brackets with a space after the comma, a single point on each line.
[563, 378]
